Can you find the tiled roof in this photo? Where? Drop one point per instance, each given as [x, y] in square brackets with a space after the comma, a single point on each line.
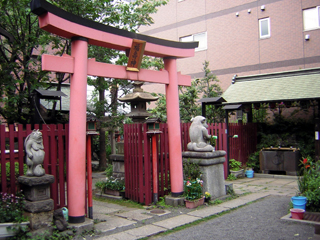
[284, 86]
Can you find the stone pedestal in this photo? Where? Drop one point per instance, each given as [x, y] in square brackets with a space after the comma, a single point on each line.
[118, 165]
[39, 207]
[211, 166]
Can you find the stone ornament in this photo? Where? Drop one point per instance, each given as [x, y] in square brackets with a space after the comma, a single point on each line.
[199, 136]
[34, 154]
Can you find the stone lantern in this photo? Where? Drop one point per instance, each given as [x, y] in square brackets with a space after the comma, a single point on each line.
[138, 101]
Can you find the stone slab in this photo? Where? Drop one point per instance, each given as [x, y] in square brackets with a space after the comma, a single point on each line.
[206, 212]
[87, 225]
[234, 203]
[138, 215]
[174, 201]
[145, 231]
[35, 181]
[118, 236]
[39, 206]
[176, 221]
[112, 222]
[214, 154]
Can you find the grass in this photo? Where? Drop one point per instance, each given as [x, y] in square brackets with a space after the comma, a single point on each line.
[122, 202]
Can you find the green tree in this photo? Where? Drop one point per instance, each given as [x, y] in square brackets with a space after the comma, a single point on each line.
[205, 87]
[20, 55]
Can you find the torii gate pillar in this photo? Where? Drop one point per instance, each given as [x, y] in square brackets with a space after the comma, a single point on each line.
[173, 120]
[77, 131]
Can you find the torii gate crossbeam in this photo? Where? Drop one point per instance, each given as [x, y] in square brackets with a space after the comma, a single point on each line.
[83, 32]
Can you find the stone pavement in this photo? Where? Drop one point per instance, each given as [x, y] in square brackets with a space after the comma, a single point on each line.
[123, 223]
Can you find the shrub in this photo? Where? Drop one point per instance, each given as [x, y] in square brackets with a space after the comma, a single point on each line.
[309, 183]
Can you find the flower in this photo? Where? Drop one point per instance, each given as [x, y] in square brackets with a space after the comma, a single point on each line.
[307, 166]
[305, 161]
[11, 207]
[193, 189]
[207, 194]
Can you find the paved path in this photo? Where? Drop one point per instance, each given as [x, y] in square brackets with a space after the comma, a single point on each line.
[124, 223]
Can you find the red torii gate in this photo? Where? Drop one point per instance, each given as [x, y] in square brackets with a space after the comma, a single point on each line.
[83, 32]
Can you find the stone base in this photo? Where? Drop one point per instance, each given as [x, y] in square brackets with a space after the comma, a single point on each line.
[211, 166]
[40, 220]
[174, 201]
[36, 188]
[39, 206]
[87, 225]
[118, 165]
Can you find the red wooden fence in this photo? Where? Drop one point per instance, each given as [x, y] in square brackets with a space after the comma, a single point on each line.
[55, 141]
[138, 155]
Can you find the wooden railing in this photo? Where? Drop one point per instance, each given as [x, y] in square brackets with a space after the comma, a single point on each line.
[12, 156]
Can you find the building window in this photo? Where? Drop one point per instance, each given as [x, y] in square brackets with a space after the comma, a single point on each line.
[199, 37]
[311, 18]
[264, 27]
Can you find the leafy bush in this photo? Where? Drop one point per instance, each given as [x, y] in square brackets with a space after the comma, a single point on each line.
[111, 183]
[234, 165]
[309, 184]
[191, 171]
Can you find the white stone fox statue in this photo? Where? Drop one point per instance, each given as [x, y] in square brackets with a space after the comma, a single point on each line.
[34, 154]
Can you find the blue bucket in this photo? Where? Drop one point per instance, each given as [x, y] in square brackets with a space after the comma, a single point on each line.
[299, 202]
[249, 173]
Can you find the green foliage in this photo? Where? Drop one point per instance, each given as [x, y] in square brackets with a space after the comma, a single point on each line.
[111, 183]
[11, 208]
[234, 165]
[193, 189]
[206, 87]
[253, 161]
[109, 170]
[231, 177]
[309, 183]
[16, 170]
[191, 170]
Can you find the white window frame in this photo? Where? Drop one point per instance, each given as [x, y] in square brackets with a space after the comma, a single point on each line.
[260, 29]
[314, 22]
[193, 38]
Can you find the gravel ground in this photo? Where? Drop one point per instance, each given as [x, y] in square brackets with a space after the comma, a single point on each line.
[259, 220]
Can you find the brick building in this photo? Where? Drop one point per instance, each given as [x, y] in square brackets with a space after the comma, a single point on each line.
[244, 37]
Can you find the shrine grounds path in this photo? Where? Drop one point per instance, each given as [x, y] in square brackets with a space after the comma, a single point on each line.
[255, 214]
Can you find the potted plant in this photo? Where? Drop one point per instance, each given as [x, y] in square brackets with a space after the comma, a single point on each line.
[193, 193]
[112, 186]
[236, 168]
[308, 184]
[207, 196]
[12, 219]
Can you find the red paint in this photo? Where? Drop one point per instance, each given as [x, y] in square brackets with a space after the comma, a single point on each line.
[155, 163]
[173, 121]
[89, 171]
[77, 130]
[67, 29]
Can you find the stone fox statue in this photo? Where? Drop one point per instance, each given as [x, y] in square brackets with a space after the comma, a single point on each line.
[34, 154]
[199, 136]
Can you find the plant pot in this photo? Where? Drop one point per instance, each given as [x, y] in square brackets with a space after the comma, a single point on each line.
[194, 203]
[239, 173]
[299, 202]
[5, 232]
[112, 192]
[297, 213]
[207, 199]
[249, 173]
